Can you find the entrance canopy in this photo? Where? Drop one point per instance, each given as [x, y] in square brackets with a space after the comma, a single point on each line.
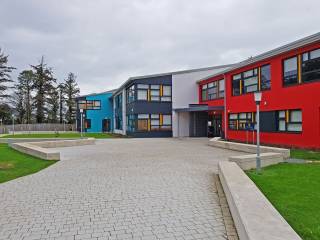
[199, 108]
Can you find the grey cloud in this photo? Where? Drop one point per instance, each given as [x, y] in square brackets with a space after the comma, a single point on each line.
[105, 42]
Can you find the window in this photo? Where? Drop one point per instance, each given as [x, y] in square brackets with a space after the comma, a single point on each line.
[290, 71]
[89, 104]
[265, 75]
[290, 121]
[142, 92]
[143, 122]
[240, 121]
[212, 90]
[155, 92]
[166, 122]
[311, 66]
[131, 94]
[250, 81]
[204, 92]
[221, 88]
[118, 112]
[236, 85]
[155, 122]
[166, 93]
[131, 123]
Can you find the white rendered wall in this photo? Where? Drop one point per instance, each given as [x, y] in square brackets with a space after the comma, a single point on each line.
[185, 92]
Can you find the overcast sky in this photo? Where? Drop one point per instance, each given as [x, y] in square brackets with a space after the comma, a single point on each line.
[106, 41]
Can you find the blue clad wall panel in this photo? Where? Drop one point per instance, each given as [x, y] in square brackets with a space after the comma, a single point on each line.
[97, 116]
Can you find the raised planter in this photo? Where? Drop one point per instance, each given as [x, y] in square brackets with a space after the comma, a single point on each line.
[249, 148]
[247, 162]
[42, 149]
[254, 216]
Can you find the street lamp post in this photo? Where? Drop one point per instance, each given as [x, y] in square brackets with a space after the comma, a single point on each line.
[81, 121]
[13, 124]
[257, 99]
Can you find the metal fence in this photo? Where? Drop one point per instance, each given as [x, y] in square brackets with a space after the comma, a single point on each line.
[37, 127]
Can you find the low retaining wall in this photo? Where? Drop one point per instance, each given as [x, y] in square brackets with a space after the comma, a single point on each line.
[36, 151]
[249, 148]
[42, 149]
[254, 216]
[247, 162]
[15, 140]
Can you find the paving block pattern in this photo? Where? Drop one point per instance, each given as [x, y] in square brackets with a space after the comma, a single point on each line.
[120, 189]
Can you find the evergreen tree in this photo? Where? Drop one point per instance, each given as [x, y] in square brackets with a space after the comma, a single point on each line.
[42, 83]
[5, 77]
[18, 103]
[5, 113]
[61, 102]
[71, 90]
[25, 81]
[53, 105]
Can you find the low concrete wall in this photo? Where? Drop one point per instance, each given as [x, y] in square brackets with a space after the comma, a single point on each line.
[247, 162]
[254, 216]
[242, 147]
[42, 149]
[36, 151]
[15, 140]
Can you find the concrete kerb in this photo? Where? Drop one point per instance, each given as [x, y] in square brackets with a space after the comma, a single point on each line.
[42, 149]
[253, 215]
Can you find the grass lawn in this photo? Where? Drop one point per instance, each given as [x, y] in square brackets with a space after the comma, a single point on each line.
[14, 164]
[294, 190]
[305, 154]
[62, 135]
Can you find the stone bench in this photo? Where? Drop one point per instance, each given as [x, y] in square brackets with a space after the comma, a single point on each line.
[254, 216]
[247, 162]
[249, 148]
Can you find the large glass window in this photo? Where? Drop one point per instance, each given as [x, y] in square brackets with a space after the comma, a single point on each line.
[130, 94]
[265, 77]
[311, 66]
[240, 121]
[131, 122]
[250, 81]
[166, 93]
[118, 112]
[290, 71]
[166, 122]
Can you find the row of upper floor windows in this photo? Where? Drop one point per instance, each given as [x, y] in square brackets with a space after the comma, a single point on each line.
[302, 68]
[149, 92]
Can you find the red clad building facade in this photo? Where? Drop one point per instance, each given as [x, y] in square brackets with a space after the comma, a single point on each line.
[289, 79]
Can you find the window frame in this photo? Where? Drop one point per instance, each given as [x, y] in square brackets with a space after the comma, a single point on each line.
[283, 71]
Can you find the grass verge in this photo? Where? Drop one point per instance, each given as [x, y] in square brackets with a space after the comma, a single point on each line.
[294, 191]
[14, 164]
[305, 154]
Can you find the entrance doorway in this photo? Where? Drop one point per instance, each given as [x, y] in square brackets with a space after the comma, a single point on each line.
[106, 125]
[215, 125]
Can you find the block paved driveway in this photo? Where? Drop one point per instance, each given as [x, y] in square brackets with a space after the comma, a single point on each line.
[119, 189]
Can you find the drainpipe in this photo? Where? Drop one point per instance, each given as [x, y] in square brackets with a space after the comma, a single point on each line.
[225, 107]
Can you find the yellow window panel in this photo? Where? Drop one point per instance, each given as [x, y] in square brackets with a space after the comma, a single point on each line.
[299, 68]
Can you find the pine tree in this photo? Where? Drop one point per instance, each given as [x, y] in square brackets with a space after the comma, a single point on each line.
[25, 81]
[61, 102]
[43, 82]
[71, 90]
[5, 113]
[18, 103]
[5, 77]
[53, 105]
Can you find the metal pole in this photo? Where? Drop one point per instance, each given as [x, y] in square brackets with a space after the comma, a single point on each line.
[258, 140]
[81, 114]
[13, 125]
